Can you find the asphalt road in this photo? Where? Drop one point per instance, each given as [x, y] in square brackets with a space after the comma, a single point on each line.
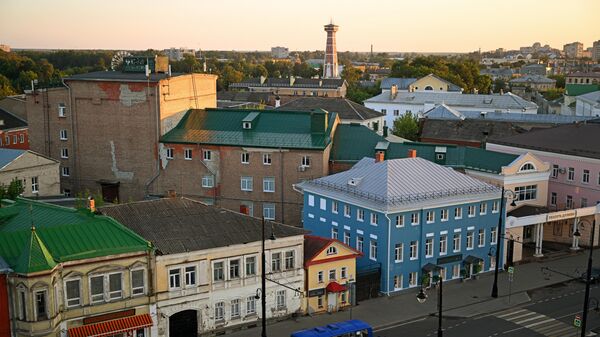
[550, 313]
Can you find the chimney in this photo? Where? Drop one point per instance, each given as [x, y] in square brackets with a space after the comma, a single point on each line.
[385, 131]
[379, 156]
[393, 91]
[277, 101]
[318, 121]
[92, 204]
[412, 153]
[172, 194]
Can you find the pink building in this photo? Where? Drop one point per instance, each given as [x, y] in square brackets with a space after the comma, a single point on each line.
[573, 152]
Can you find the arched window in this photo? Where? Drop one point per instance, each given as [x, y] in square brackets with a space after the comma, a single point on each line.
[331, 250]
[428, 87]
[527, 167]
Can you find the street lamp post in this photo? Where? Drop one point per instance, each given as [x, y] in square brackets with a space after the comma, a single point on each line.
[422, 297]
[587, 279]
[504, 194]
[263, 297]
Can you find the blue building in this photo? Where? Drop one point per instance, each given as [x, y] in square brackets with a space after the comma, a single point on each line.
[410, 216]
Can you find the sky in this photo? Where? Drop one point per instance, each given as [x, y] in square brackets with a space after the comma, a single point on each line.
[396, 25]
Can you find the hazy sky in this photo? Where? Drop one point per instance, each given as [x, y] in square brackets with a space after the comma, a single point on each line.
[395, 25]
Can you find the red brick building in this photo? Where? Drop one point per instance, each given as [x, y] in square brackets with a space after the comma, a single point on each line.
[13, 131]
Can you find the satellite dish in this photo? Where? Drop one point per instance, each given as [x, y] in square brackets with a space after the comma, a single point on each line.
[117, 59]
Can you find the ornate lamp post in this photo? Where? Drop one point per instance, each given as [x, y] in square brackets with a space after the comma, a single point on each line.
[505, 194]
[588, 275]
[422, 297]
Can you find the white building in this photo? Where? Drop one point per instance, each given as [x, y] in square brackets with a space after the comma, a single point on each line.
[280, 52]
[588, 104]
[207, 265]
[177, 54]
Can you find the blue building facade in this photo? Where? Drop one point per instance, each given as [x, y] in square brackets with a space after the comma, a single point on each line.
[410, 236]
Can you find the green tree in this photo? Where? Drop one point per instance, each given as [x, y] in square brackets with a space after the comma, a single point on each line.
[560, 80]
[499, 84]
[6, 88]
[351, 75]
[406, 126]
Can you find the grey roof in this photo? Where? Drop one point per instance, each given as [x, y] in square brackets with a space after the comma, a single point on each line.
[120, 76]
[445, 112]
[243, 96]
[179, 225]
[505, 101]
[396, 182]
[8, 155]
[471, 130]
[400, 82]
[299, 83]
[345, 108]
[580, 139]
[532, 79]
[592, 97]
[10, 121]
[503, 72]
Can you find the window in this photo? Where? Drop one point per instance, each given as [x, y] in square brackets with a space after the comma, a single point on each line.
[311, 200]
[455, 271]
[471, 211]
[470, 236]
[208, 181]
[384, 111]
[456, 242]
[571, 174]
[305, 161]
[7, 140]
[414, 248]
[97, 289]
[430, 216]
[527, 167]
[359, 243]
[207, 155]
[444, 215]
[250, 266]
[320, 276]
[584, 202]
[289, 260]
[269, 211]
[323, 204]
[276, 262]
[399, 252]
[187, 154]
[334, 207]
[332, 274]
[137, 282]
[397, 282]
[250, 305]
[266, 159]
[280, 299]
[269, 184]
[22, 305]
[586, 177]
[569, 202]
[373, 250]
[429, 247]
[169, 153]
[15, 139]
[347, 211]
[555, 169]
[344, 273]
[219, 311]
[443, 244]
[64, 153]
[115, 286]
[65, 171]
[245, 158]
[73, 292]
[414, 218]
[62, 110]
[412, 279]
[62, 135]
[481, 238]
[347, 238]
[21, 138]
[526, 192]
[246, 184]
[41, 312]
[66, 192]
[319, 302]
[331, 250]
[493, 235]
[495, 206]
[492, 262]
[396, 112]
[334, 233]
[482, 208]
[35, 185]
[235, 308]
[374, 219]
[360, 214]
[399, 221]
[553, 198]
[190, 276]
[174, 278]
[458, 213]
[218, 272]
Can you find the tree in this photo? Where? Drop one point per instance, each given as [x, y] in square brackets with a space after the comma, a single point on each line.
[406, 126]
[560, 80]
[351, 75]
[499, 84]
[6, 88]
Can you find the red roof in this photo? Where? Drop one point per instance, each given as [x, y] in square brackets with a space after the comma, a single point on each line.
[334, 287]
[112, 327]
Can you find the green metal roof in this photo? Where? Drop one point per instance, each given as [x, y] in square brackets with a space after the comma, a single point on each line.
[61, 234]
[270, 129]
[580, 89]
[353, 142]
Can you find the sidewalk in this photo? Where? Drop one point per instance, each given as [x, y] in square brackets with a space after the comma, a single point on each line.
[461, 299]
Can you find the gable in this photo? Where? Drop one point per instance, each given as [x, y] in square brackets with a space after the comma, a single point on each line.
[429, 80]
[28, 159]
[341, 251]
[519, 163]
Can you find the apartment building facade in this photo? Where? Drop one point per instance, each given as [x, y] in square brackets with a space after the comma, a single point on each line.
[38, 174]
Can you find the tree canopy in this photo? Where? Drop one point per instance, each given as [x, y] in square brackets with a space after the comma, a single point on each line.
[406, 126]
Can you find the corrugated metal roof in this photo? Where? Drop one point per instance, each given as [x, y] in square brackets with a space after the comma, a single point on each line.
[345, 108]
[271, 129]
[443, 111]
[400, 82]
[532, 79]
[506, 101]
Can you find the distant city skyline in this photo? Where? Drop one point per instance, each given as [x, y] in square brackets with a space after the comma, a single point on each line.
[391, 26]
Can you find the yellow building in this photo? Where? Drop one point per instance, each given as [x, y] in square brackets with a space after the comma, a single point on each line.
[330, 269]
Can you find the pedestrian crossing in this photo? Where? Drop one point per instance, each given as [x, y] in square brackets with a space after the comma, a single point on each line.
[537, 322]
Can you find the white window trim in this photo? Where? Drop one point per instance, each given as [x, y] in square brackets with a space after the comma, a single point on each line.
[143, 278]
[180, 278]
[186, 152]
[66, 292]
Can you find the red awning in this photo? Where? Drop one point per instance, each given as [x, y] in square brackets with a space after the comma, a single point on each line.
[112, 327]
[334, 287]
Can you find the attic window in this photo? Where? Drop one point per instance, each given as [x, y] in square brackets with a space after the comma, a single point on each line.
[527, 167]
[331, 250]
[247, 125]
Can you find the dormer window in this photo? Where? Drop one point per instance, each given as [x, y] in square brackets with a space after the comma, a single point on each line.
[331, 250]
[247, 125]
[527, 167]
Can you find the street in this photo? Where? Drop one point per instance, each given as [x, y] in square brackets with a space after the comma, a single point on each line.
[550, 313]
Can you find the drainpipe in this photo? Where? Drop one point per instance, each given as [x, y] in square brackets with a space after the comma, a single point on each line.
[74, 135]
[149, 182]
[388, 251]
[281, 173]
